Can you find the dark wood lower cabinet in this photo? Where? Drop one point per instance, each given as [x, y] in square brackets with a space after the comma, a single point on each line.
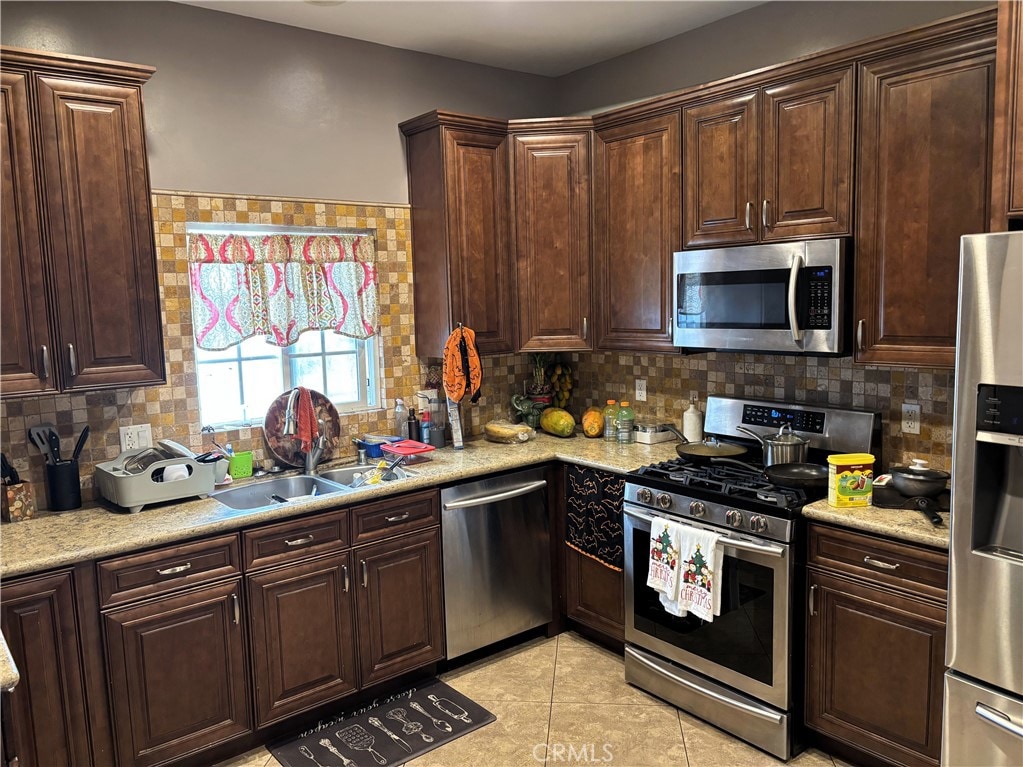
[178, 674]
[303, 636]
[400, 605]
[45, 718]
[594, 594]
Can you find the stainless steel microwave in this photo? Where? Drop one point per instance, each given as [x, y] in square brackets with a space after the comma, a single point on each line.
[784, 298]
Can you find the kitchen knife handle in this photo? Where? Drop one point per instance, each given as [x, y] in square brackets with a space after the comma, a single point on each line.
[813, 594]
[236, 609]
[878, 563]
[749, 216]
[72, 359]
[348, 581]
[859, 335]
[46, 363]
[365, 575]
[764, 207]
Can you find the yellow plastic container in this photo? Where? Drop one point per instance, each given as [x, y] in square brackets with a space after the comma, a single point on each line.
[850, 480]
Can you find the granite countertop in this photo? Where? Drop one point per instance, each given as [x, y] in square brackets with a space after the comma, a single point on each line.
[903, 524]
[9, 675]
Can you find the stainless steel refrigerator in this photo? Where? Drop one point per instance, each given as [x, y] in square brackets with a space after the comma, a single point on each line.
[983, 714]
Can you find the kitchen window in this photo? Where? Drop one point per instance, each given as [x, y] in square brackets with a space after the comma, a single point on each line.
[275, 309]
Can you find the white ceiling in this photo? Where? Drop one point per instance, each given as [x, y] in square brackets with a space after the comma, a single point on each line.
[541, 37]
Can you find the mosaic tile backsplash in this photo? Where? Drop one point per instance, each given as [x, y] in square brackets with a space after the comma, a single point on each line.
[173, 409]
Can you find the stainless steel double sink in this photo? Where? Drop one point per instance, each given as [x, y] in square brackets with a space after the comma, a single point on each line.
[278, 491]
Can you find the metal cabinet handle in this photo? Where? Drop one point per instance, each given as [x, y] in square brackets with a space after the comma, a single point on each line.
[813, 594]
[175, 570]
[878, 563]
[586, 329]
[763, 213]
[299, 541]
[72, 359]
[859, 335]
[397, 517]
[797, 332]
[348, 582]
[749, 216]
[46, 363]
[998, 719]
[365, 575]
[237, 609]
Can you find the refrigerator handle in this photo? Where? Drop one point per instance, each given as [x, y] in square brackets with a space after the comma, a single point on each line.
[998, 719]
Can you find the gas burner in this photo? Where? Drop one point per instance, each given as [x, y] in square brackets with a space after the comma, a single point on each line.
[728, 480]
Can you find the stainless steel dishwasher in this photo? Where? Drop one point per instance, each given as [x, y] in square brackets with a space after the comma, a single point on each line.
[497, 559]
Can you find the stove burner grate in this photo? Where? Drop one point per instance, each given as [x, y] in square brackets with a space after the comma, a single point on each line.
[727, 480]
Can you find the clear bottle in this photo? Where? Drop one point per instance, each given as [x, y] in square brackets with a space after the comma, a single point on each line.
[626, 423]
[400, 418]
[610, 430]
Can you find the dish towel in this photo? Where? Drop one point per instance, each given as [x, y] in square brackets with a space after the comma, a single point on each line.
[308, 430]
[699, 590]
[663, 573]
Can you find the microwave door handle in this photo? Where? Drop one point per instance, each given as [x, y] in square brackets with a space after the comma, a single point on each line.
[797, 332]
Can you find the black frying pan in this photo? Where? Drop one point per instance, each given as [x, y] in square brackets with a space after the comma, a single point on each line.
[707, 450]
[797, 476]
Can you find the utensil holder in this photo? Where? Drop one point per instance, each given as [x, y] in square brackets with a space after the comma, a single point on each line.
[240, 465]
[63, 486]
[17, 502]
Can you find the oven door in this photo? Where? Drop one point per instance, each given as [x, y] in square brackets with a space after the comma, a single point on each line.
[783, 297]
[745, 647]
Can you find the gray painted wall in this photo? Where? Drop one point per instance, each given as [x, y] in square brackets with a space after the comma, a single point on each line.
[248, 107]
[245, 106]
[765, 35]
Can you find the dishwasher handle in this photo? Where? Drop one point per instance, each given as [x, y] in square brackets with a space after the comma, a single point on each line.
[504, 495]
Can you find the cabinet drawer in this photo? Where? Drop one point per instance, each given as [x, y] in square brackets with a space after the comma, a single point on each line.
[391, 516]
[297, 539]
[138, 576]
[891, 562]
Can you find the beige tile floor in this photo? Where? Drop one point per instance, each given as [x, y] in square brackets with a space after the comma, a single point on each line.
[564, 701]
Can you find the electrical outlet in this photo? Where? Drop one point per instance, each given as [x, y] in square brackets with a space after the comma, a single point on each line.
[640, 390]
[910, 418]
[135, 437]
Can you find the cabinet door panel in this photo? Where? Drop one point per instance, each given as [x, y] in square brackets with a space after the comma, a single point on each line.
[720, 171]
[1007, 181]
[875, 666]
[400, 606]
[806, 180]
[637, 228]
[48, 707]
[552, 234]
[303, 639]
[482, 273]
[177, 673]
[97, 194]
[924, 159]
[23, 300]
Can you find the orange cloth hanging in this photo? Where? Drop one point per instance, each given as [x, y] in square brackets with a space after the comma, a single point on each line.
[308, 429]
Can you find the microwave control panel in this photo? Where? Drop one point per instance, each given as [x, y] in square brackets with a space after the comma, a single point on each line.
[819, 285]
[808, 421]
[1000, 409]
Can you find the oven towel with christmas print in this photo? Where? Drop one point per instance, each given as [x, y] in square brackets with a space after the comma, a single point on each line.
[663, 573]
[699, 587]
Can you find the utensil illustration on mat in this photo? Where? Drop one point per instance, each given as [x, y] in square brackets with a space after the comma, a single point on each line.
[440, 724]
[309, 755]
[409, 726]
[325, 742]
[449, 707]
[393, 736]
[357, 737]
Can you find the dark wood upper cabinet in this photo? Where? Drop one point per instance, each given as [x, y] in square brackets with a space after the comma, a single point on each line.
[1007, 177]
[636, 229]
[461, 248]
[47, 712]
[552, 239]
[25, 344]
[771, 163]
[923, 180]
[92, 190]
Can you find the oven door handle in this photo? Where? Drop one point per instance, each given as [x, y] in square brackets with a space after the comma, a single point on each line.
[756, 711]
[735, 543]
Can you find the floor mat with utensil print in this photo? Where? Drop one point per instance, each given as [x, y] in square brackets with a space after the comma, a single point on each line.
[390, 733]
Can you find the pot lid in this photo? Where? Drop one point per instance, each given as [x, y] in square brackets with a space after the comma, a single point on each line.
[781, 438]
[919, 469]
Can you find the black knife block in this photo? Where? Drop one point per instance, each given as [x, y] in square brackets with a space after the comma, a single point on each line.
[63, 486]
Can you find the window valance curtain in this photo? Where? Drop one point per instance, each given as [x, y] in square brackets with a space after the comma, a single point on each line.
[279, 285]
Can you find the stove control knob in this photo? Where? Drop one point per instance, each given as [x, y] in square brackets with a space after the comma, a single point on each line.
[758, 524]
[644, 495]
[697, 509]
[733, 517]
[664, 500]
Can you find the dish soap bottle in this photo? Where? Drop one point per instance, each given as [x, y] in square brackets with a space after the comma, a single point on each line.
[692, 422]
[400, 418]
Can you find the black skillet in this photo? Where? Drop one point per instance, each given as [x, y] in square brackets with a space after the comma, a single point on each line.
[796, 476]
[706, 450]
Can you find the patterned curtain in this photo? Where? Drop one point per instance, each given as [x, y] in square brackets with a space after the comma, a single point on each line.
[278, 285]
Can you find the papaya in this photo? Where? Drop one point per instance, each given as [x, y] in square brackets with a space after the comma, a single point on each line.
[558, 422]
[593, 422]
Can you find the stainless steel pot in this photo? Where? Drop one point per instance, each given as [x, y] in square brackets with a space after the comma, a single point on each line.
[780, 447]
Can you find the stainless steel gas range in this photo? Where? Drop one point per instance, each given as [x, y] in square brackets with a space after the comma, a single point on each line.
[739, 671]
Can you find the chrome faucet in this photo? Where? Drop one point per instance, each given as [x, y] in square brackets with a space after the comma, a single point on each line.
[312, 458]
[291, 415]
